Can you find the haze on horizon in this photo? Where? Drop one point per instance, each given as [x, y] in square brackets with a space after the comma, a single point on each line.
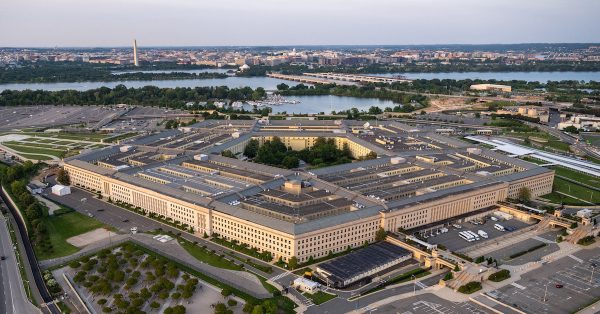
[96, 23]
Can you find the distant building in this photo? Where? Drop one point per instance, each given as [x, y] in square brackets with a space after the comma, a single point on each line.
[491, 87]
[589, 123]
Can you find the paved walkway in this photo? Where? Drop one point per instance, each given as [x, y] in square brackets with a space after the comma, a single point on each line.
[241, 280]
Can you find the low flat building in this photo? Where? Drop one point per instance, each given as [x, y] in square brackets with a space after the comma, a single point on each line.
[491, 87]
[306, 214]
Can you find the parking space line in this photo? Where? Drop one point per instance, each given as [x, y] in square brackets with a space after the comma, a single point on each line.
[575, 258]
[517, 286]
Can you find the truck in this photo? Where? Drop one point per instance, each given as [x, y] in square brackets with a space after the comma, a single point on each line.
[503, 215]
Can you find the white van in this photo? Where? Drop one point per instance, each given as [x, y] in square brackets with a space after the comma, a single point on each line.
[482, 234]
[498, 227]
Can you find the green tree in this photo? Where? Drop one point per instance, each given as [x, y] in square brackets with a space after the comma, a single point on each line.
[63, 177]
[251, 148]
[571, 129]
[524, 195]
[290, 162]
[228, 153]
[380, 234]
[293, 262]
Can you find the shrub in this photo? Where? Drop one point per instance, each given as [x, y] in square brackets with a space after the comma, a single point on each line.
[586, 241]
[470, 287]
[74, 264]
[500, 275]
[232, 302]
[448, 276]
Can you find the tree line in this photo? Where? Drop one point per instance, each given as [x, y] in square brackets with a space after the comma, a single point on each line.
[14, 179]
[145, 96]
[50, 72]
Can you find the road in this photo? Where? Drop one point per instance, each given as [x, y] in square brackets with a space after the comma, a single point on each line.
[13, 298]
[343, 305]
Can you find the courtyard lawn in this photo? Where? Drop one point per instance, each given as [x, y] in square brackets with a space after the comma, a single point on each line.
[62, 227]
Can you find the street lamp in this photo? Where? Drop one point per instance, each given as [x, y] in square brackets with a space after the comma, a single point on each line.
[592, 276]
[414, 278]
[546, 292]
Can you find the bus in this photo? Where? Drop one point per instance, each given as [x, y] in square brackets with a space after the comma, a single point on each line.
[474, 235]
[466, 236]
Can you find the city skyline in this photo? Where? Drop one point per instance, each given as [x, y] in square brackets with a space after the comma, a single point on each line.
[67, 23]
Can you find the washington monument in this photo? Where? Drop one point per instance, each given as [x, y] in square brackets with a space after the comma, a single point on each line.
[135, 55]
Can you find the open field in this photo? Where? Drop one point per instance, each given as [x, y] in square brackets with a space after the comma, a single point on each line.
[31, 150]
[574, 190]
[63, 227]
[580, 177]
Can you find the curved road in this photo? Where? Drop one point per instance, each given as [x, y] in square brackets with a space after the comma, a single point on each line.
[32, 260]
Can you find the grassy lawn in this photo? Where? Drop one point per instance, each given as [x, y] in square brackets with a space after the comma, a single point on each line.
[38, 145]
[319, 297]
[62, 227]
[558, 198]
[580, 177]
[208, 257]
[573, 190]
[533, 160]
[593, 140]
[93, 137]
[30, 150]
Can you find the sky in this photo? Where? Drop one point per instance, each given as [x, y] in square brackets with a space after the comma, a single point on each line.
[110, 23]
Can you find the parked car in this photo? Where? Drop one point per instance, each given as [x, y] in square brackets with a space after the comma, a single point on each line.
[494, 218]
[2, 257]
[559, 286]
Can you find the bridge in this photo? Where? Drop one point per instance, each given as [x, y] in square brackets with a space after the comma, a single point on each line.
[358, 78]
[305, 79]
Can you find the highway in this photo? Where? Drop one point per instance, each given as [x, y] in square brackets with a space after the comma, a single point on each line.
[13, 298]
[32, 260]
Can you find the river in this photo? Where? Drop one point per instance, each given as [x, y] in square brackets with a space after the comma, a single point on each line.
[309, 104]
[504, 76]
[328, 103]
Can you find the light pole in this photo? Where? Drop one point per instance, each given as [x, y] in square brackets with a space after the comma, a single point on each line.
[414, 278]
[592, 276]
[545, 292]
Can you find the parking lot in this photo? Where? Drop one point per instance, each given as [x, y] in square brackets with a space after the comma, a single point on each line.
[577, 277]
[503, 255]
[106, 213]
[453, 242]
[429, 304]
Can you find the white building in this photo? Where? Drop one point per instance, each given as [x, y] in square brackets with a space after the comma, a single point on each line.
[581, 122]
[61, 190]
[306, 285]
